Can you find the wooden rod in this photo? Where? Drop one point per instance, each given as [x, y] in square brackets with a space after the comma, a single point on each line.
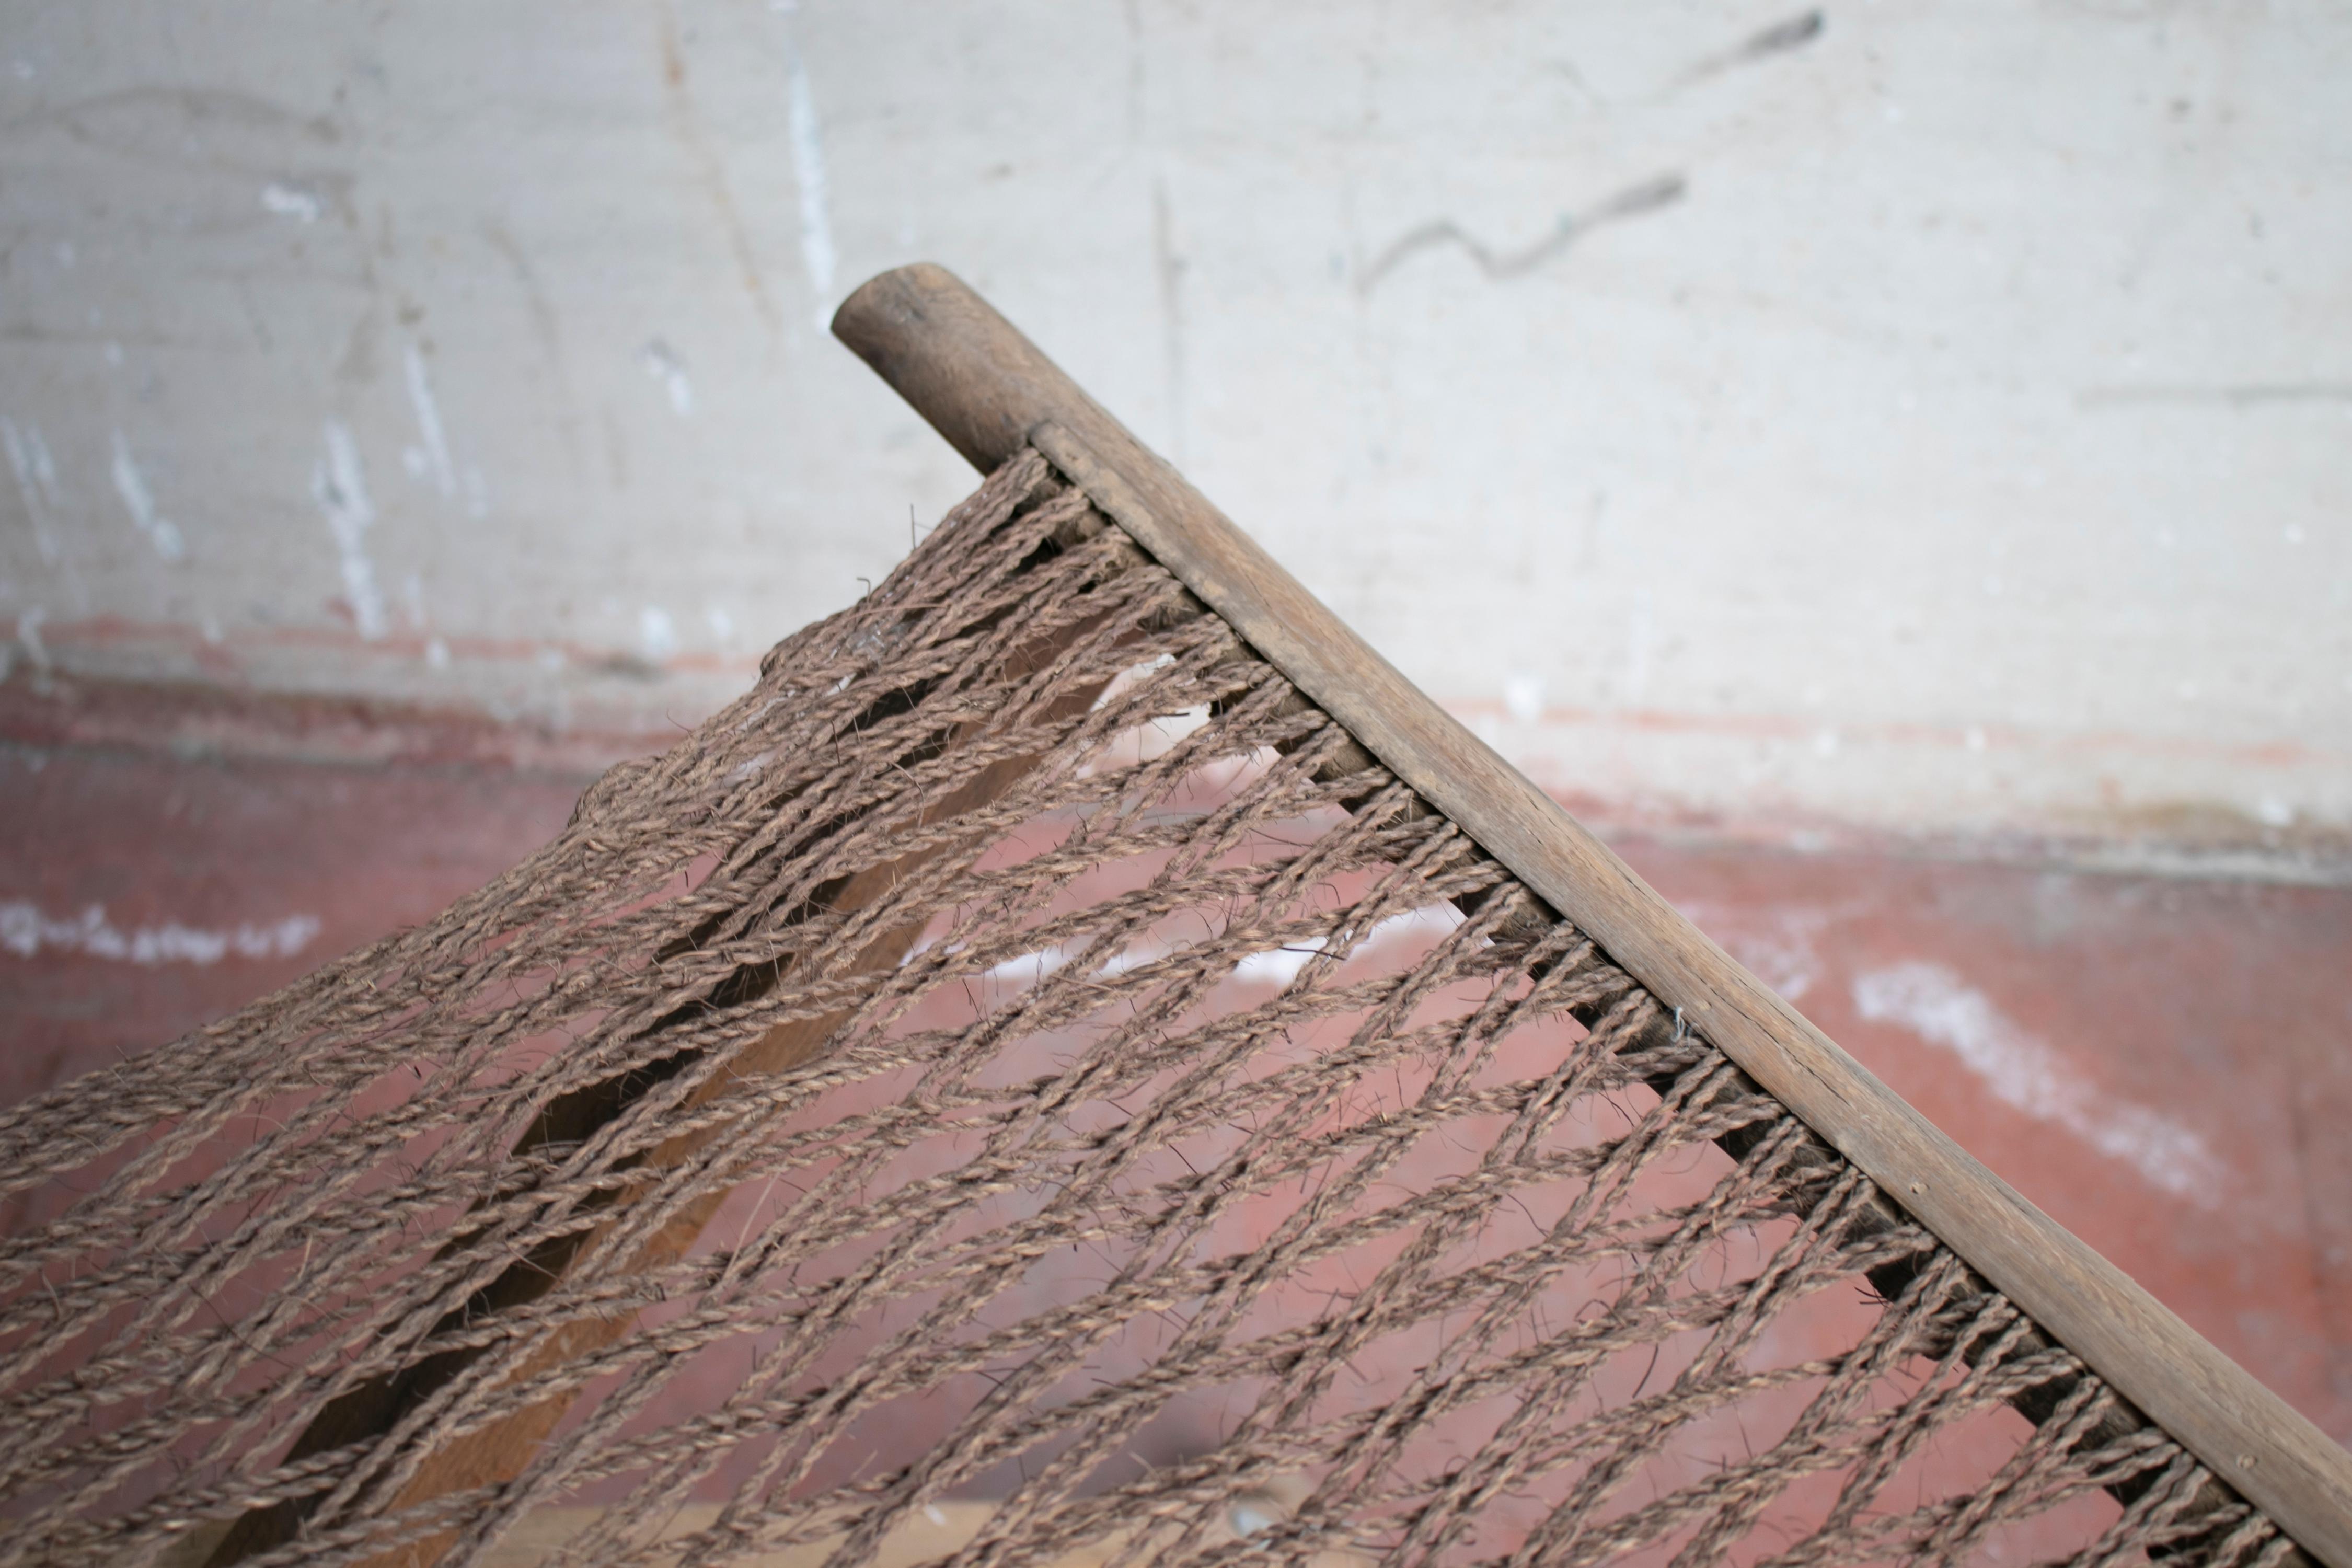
[989, 390]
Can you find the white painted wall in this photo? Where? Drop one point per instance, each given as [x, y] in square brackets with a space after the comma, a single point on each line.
[1941, 421]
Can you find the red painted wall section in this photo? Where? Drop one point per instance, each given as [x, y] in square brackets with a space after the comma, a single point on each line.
[2161, 1063]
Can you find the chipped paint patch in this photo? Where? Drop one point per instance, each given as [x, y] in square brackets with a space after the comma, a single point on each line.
[2023, 1071]
[140, 503]
[24, 930]
[339, 484]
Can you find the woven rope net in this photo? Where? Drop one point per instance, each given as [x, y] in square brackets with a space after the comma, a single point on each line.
[1021, 1086]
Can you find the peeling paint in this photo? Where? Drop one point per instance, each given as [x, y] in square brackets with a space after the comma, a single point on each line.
[1500, 266]
[1938, 1006]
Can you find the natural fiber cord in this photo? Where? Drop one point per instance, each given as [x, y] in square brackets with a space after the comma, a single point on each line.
[1021, 1086]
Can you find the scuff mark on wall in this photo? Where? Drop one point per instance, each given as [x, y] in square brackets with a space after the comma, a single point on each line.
[140, 503]
[547, 326]
[1634, 201]
[1938, 1006]
[817, 253]
[434, 450]
[339, 484]
[1778, 39]
[187, 126]
[25, 931]
[687, 121]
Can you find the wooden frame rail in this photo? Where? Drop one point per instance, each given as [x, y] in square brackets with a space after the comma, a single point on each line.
[989, 390]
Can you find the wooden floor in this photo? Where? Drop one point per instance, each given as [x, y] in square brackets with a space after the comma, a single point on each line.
[2166, 1066]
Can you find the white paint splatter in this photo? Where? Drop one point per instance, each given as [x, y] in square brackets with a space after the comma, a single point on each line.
[1639, 635]
[36, 482]
[817, 252]
[1028, 968]
[283, 200]
[1935, 1004]
[1284, 964]
[140, 501]
[1523, 695]
[25, 931]
[661, 362]
[1277, 966]
[339, 484]
[656, 633]
[429, 428]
